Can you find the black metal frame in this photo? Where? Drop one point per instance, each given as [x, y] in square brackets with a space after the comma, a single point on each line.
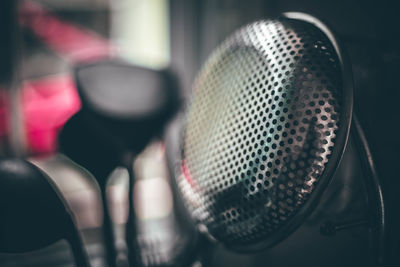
[374, 188]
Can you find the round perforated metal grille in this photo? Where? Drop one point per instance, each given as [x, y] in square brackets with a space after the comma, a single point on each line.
[260, 129]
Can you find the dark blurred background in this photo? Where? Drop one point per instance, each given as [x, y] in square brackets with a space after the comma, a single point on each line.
[182, 34]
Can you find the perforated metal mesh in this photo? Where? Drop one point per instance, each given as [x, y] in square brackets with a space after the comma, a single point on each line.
[260, 129]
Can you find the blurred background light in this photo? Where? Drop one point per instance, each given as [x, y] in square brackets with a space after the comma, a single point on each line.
[140, 29]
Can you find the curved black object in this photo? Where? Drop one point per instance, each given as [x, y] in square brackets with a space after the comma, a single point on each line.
[123, 98]
[33, 212]
[266, 129]
[122, 91]
[124, 107]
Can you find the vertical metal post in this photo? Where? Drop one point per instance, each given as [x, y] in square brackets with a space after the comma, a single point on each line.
[10, 60]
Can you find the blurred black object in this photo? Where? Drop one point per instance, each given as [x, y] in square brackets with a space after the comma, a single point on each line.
[124, 107]
[121, 92]
[10, 55]
[8, 29]
[33, 212]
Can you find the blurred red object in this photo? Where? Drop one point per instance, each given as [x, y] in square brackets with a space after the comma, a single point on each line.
[47, 104]
[68, 40]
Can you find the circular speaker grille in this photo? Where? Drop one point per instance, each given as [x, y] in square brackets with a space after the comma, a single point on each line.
[260, 130]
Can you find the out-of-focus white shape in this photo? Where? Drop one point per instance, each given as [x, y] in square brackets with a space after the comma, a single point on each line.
[153, 198]
[117, 193]
[141, 30]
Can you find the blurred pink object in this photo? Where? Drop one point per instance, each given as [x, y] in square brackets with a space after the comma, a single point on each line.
[72, 42]
[47, 104]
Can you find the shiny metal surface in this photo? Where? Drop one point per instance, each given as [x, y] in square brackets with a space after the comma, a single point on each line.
[265, 130]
